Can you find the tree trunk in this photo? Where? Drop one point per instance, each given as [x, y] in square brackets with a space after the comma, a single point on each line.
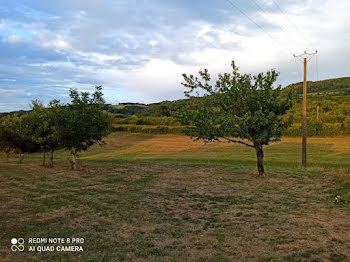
[51, 159]
[73, 161]
[260, 158]
[7, 156]
[44, 158]
[21, 156]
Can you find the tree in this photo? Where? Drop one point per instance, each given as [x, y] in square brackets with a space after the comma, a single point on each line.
[240, 108]
[81, 123]
[8, 135]
[162, 110]
[25, 141]
[45, 129]
[16, 135]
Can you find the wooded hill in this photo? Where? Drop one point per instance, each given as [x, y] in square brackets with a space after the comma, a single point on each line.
[330, 87]
[331, 97]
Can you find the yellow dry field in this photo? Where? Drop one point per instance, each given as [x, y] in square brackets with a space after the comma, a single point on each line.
[338, 144]
[178, 143]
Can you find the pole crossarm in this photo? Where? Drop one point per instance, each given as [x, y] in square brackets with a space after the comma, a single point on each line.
[306, 55]
[304, 58]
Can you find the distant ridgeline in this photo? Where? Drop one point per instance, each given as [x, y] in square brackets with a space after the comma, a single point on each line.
[325, 88]
[127, 109]
[19, 113]
[328, 111]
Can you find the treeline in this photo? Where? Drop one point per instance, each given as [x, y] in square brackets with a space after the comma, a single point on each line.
[334, 122]
[75, 126]
[328, 112]
[19, 113]
[314, 129]
[148, 120]
[125, 109]
[149, 129]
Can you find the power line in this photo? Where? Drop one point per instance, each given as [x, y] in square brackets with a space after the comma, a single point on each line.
[259, 6]
[273, 38]
[275, 23]
[296, 27]
[251, 20]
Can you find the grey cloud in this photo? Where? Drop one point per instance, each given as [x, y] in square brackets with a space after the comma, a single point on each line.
[86, 42]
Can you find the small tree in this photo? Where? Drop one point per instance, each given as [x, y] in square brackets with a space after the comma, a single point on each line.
[45, 129]
[25, 141]
[8, 134]
[16, 134]
[240, 109]
[162, 110]
[81, 123]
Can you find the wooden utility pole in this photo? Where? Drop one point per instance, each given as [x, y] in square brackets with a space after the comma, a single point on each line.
[318, 113]
[304, 58]
[303, 154]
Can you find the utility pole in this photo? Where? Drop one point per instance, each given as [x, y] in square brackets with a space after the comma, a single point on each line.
[318, 113]
[305, 57]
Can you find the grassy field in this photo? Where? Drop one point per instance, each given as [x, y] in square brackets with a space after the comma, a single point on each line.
[323, 153]
[166, 198]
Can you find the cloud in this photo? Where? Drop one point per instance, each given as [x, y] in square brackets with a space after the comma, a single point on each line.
[139, 49]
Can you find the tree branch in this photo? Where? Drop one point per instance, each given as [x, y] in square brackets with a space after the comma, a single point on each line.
[238, 141]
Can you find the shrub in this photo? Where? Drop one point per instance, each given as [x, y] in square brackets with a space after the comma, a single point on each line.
[317, 128]
[148, 129]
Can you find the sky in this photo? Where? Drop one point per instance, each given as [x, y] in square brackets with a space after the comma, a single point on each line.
[138, 49]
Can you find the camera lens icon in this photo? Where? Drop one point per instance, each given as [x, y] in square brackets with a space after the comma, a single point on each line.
[14, 241]
[17, 244]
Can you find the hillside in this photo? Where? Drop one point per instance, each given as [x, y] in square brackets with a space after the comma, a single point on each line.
[329, 87]
[331, 98]
[125, 108]
[337, 89]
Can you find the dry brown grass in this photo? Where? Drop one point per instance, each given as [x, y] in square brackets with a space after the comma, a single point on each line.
[161, 212]
[121, 144]
[338, 144]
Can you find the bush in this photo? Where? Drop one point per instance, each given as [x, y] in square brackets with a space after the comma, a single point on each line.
[140, 122]
[152, 121]
[346, 126]
[162, 110]
[332, 129]
[317, 128]
[294, 130]
[148, 129]
[314, 128]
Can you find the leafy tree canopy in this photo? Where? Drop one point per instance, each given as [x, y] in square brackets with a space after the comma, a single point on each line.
[237, 106]
[83, 122]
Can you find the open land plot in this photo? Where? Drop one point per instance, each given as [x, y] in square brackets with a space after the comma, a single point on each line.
[136, 200]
